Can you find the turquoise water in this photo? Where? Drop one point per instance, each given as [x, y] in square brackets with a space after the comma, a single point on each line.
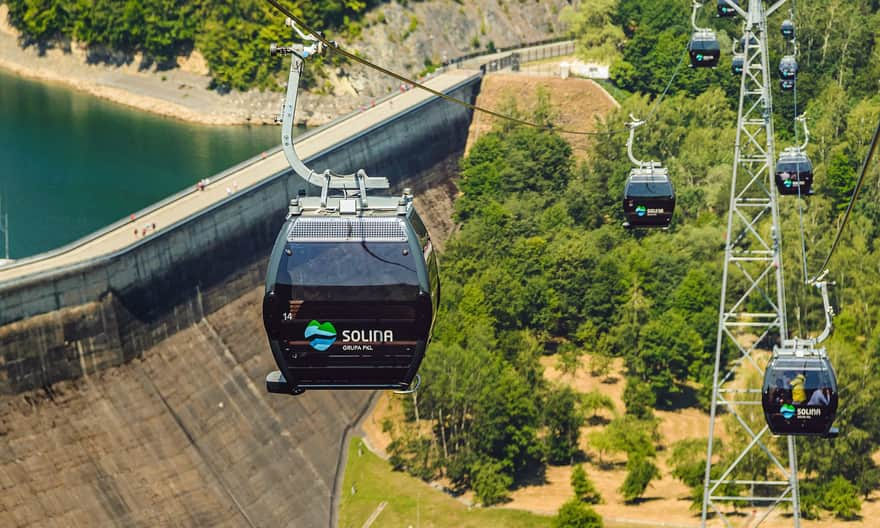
[71, 163]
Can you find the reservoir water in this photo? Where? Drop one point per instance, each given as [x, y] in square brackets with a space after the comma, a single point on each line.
[71, 163]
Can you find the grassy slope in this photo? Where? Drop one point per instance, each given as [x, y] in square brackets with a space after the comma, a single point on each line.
[410, 499]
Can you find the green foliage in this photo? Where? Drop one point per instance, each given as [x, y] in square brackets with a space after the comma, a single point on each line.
[639, 399]
[598, 38]
[234, 36]
[576, 514]
[841, 498]
[688, 461]
[411, 27]
[841, 180]
[640, 471]
[668, 346]
[584, 489]
[594, 401]
[563, 420]
[491, 483]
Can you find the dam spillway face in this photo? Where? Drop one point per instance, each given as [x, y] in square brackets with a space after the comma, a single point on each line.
[182, 435]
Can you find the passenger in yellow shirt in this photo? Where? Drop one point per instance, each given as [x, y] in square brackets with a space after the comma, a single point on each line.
[798, 392]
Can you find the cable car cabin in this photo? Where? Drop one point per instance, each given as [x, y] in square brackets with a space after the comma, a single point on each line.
[350, 295]
[724, 9]
[739, 62]
[788, 29]
[794, 173]
[788, 67]
[752, 41]
[800, 395]
[649, 198]
[704, 49]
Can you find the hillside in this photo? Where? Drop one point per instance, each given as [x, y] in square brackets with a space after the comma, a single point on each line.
[224, 77]
[539, 266]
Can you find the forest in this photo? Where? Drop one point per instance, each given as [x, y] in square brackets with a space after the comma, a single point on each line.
[233, 35]
[540, 265]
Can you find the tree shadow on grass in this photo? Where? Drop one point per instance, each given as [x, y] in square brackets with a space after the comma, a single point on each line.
[597, 419]
[533, 475]
[686, 398]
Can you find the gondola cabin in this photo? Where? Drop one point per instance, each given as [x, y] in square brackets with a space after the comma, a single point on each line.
[649, 198]
[350, 296]
[788, 67]
[725, 10]
[794, 173]
[800, 394]
[788, 29]
[745, 43]
[739, 62]
[704, 49]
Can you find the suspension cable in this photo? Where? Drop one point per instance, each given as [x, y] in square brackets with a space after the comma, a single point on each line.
[360, 60]
[852, 201]
[797, 141]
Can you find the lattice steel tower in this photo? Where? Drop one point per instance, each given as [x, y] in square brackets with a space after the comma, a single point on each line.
[752, 308]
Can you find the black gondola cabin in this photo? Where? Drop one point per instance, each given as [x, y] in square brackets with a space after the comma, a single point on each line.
[350, 296]
[788, 29]
[704, 49]
[788, 67]
[739, 62]
[800, 395]
[649, 198]
[724, 9]
[794, 173]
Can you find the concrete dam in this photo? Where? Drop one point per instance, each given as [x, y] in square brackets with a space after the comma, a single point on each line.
[131, 370]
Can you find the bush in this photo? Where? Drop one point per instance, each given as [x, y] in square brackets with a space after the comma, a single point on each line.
[576, 514]
[640, 473]
[491, 483]
[584, 489]
[842, 498]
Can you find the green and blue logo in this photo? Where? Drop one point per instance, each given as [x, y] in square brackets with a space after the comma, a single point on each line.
[641, 210]
[787, 411]
[320, 335]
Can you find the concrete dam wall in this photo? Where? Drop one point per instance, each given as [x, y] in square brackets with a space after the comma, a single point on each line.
[131, 386]
[108, 311]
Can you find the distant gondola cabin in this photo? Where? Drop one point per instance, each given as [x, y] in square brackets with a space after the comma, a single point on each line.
[739, 61]
[649, 198]
[704, 49]
[788, 29]
[725, 10]
[788, 67]
[794, 173]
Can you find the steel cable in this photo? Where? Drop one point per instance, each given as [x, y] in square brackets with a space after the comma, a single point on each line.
[360, 60]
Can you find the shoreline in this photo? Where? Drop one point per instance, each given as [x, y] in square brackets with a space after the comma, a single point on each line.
[181, 93]
[160, 107]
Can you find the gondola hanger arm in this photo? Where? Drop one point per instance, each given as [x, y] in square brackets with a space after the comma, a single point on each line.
[696, 7]
[823, 284]
[328, 180]
[803, 120]
[632, 125]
